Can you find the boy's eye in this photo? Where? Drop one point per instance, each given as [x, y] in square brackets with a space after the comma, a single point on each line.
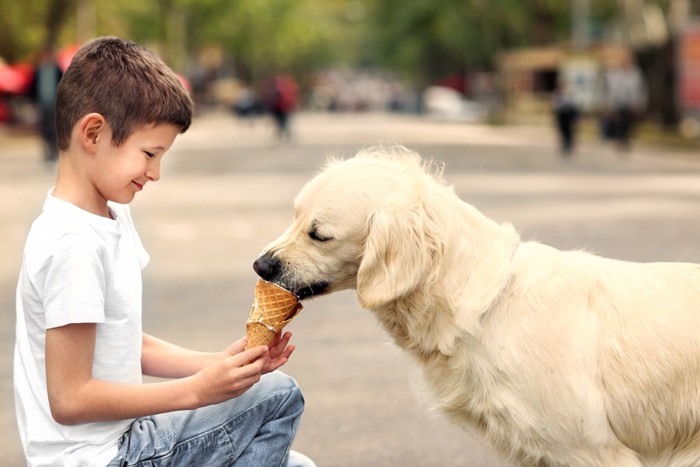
[150, 154]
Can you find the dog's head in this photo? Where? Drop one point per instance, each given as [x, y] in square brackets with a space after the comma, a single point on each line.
[358, 224]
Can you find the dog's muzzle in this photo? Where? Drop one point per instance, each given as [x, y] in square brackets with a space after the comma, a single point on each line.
[272, 269]
[267, 267]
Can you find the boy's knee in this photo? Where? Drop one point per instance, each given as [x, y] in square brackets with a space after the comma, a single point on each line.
[283, 382]
[278, 382]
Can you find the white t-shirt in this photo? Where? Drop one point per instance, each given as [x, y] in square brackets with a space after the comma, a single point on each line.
[77, 268]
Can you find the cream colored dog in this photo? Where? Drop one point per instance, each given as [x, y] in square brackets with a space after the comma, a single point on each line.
[558, 358]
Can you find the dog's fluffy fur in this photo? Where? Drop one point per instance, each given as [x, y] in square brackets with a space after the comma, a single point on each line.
[558, 358]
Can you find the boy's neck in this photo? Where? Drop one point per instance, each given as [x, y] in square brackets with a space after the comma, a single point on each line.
[74, 186]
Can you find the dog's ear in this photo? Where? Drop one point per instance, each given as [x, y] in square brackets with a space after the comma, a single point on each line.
[395, 259]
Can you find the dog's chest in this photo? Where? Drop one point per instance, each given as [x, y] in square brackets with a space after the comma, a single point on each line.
[465, 382]
[469, 389]
[469, 384]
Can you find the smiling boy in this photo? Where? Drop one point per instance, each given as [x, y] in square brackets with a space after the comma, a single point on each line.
[80, 350]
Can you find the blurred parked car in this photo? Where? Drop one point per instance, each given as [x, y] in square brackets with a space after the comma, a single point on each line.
[446, 103]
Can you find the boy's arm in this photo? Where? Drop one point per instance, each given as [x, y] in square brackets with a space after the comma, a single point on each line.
[165, 360]
[76, 397]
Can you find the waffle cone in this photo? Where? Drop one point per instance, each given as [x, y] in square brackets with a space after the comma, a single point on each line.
[273, 308]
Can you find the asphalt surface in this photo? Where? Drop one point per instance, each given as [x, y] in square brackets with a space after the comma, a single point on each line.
[226, 190]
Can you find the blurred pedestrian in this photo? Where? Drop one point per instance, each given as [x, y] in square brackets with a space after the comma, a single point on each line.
[566, 113]
[625, 98]
[46, 78]
[282, 98]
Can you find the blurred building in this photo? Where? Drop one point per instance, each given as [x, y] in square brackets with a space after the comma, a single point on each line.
[665, 44]
[528, 77]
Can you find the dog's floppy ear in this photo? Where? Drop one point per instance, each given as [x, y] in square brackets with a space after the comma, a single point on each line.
[395, 259]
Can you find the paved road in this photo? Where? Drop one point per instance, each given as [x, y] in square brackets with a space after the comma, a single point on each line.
[227, 189]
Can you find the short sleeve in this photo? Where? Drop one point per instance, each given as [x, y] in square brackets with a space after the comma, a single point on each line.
[74, 282]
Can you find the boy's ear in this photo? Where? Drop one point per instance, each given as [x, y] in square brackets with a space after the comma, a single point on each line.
[91, 128]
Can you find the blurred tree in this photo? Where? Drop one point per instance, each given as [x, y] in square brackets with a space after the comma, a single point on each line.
[268, 36]
[428, 37]
[437, 38]
[651, 28]
[425, 39]
[28, 26]
[56, 14]
[258, 37]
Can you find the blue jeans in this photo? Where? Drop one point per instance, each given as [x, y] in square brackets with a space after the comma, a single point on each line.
[255, 429]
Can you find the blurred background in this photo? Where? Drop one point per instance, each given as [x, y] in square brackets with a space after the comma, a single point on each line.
[481, 85]
[497, 61]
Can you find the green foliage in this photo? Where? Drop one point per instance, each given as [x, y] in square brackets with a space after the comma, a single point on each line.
[22, 28]
[441, 37]
[424, 39]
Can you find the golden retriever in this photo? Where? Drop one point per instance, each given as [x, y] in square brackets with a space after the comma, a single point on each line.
[558, 358]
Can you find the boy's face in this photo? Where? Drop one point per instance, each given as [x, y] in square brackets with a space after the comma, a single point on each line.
[120, 172]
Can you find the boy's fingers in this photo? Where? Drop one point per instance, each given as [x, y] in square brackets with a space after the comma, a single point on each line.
[248, 371]
[249, 356]
[286, 337]
[280, 343]
[289, 351]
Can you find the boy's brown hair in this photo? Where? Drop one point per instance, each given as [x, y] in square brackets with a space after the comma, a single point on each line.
[125, 83]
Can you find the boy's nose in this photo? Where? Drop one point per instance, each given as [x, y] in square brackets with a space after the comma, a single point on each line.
[153, 172]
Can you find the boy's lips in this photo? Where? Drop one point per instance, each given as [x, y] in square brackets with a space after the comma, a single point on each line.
[138, 185]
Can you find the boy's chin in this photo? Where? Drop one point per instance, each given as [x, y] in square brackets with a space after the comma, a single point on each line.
[124, 198]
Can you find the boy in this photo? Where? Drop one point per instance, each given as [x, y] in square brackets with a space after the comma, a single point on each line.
[80, 351]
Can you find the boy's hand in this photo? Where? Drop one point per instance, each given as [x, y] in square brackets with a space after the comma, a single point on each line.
[237, 347]
[278, 347]
[231, 376]
[240, 369]
[279, 352]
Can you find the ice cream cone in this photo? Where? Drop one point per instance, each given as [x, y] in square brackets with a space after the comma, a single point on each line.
[273, 308]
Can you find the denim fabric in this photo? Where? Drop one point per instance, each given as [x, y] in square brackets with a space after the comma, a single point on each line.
[255, 429]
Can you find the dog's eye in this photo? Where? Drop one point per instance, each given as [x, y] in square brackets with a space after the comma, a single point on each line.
[314, 235]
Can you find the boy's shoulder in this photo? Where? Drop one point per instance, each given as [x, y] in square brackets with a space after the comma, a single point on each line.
[63, 227]
[50, 234]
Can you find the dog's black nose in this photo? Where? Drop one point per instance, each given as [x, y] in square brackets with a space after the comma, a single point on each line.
[267, 267]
